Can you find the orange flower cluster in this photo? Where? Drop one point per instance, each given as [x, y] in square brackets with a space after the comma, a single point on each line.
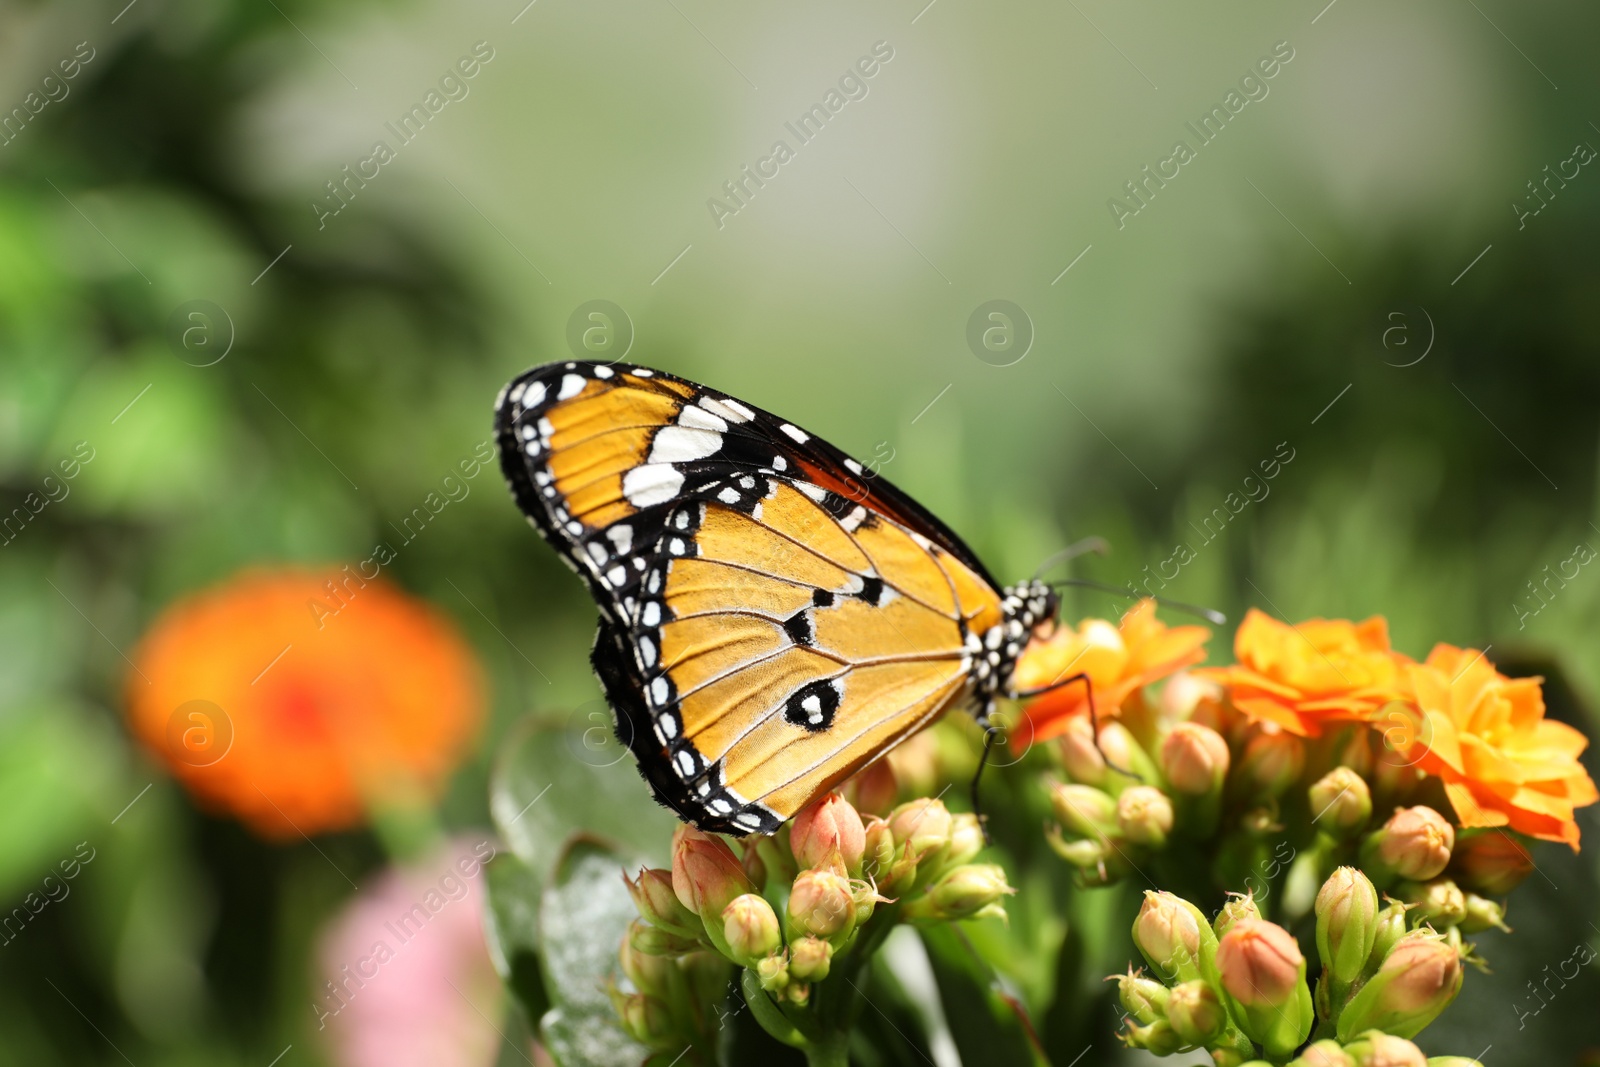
[1453, 716]
[293, 723]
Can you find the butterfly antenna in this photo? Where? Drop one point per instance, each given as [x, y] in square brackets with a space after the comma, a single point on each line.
[1211, 615]
[1097, 545]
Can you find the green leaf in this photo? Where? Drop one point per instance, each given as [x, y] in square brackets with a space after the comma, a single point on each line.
[511, 927]
[981, 1012]
[550, 784]
[585, 912]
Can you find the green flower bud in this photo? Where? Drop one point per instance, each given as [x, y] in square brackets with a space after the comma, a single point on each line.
[1263, 975]
[646, 1019]
[706, 972]
[1483, 913]
[878, 851]
[751, 928]
[1392, 926]
[1159, 1037]
[1347, 925]
[649, 972]
[1413, 845]
[1239, 906]
[652, 940]
[798, 994]
[966, 840]
[1341, 802]
[809, 958]
[1084, 811]
[972, 891]
[1196, 1012]
[658, 903]
[1418, 980]
[1440, 903]
[1452, 1061]
[1143, 998]
[1144, 815]
[1124, 754]
[773, 973]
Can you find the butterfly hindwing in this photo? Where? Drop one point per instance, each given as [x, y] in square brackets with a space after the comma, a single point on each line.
[773, 619]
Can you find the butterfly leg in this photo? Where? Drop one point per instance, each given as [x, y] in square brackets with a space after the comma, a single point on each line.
[1094, 718]
[990, 733]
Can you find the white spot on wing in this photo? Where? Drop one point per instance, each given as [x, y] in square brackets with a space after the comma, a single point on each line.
[815, 492]
[603, 372]
[621, 535]
[534, 396]
[729, 495]
[571, 386]
[853, 520]
[651, 484]
[697, 419]
[647, 651]
[658, 691]
[669, 726]
[730, 410]
[685, 763]
[795, 432]
[681, 444]
[855, 468]
[597, 552]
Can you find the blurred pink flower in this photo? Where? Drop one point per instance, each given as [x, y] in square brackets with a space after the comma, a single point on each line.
[405, 976]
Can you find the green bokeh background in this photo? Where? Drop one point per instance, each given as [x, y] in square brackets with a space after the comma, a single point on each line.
[1252, 302]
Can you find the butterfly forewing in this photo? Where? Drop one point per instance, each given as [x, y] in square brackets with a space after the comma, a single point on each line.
[773, 619]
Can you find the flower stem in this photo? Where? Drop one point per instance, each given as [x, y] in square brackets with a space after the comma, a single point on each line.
[832, 1050]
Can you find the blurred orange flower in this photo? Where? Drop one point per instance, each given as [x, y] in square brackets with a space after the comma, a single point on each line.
[1119, 660]
[1501, 761]
[1317, 671]
[292, 702]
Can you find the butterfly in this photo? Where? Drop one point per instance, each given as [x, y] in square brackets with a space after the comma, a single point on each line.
[773, 616]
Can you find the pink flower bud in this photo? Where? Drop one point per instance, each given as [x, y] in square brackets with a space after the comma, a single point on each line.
[821, 904]
[1259, 963]
[829, 831]
[1264, 976]
[1414, 844]
[1491, 862]
[1144, 815]
[1079, 756]
[1194, 758]
[1271, 762]
[1341, 802]
[1172, 935]
[1324, 1054]
[923, 826]
[1419, 978]
[1084, 810]
[751, 928]
[875, 788]
[706, 875]
[658, 903]
[1384, 1050]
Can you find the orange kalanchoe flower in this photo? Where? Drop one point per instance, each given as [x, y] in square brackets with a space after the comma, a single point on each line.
[1320, 670]
[1119, 660]
[1486, 738]
[293, 709]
